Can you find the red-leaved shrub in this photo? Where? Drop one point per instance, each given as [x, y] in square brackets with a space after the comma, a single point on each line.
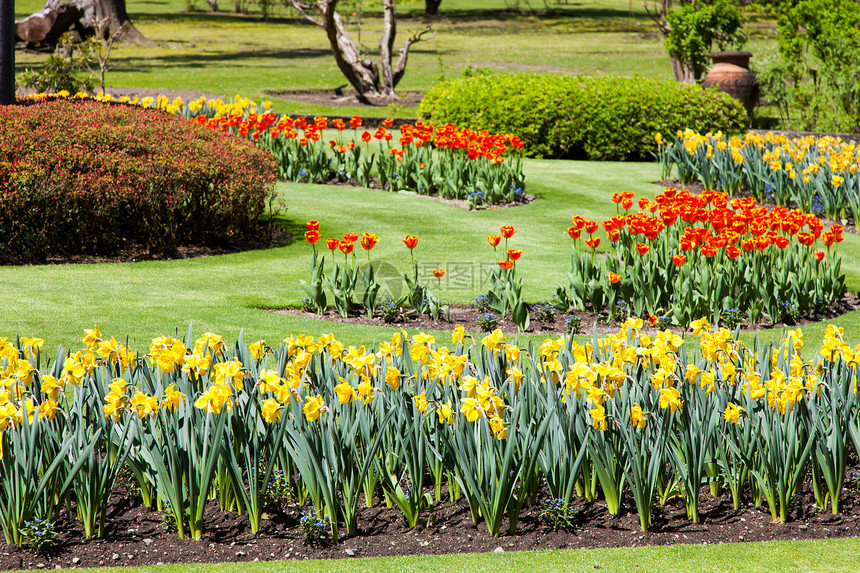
[90, 178]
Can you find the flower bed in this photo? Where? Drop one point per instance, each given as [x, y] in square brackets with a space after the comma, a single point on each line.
[683, 256]
[326, 426]
[477, 167]
[819, 175]
[85, 178]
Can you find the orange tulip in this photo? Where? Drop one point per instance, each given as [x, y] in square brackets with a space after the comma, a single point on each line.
[591, 227]
[365, 137]
[573, 232]
[515, 254]
[494, 240]
[439, 273]
[388, 122]
[506, 264]
[351, 237]
[652, 320]
[355, 122]
[411, 241]
[507, 231]
[346, 247]
[642, 248]
[593, 242]
[369, 240]
[819, 255]
[312, 237]
[332, 243]
[679, 260]
[614, 277]
[313, 225]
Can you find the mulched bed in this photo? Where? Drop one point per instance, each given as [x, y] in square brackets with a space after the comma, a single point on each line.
[136, 535]
[467, 316]
[270, 236]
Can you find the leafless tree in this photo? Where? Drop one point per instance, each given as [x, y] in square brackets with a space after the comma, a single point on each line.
[374, 81]
[658, 11]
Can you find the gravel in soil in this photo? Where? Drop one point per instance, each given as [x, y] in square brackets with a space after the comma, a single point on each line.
[136, 535]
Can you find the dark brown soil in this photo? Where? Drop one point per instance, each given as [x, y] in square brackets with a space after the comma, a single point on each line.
[270, 236]
[467, 316]
[344, 97]
[136, 535]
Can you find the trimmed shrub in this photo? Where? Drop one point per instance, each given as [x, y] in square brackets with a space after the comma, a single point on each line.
[90, 178]
[576, 116]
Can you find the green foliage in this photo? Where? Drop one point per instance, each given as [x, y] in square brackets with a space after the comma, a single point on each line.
[39, 535]
[85, 177]
[695, 27]
[576, 116]
[65, 69]
[816, 72]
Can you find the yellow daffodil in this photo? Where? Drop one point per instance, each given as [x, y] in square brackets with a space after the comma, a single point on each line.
[420, 402]
[313, 408]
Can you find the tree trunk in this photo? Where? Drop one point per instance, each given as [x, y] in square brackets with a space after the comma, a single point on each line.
[7, 52]
[681, 72]
[372, 81]
[362, 74]
[115, 12]
[431, 7]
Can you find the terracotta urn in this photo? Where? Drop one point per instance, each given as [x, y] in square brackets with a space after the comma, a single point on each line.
[731, 74]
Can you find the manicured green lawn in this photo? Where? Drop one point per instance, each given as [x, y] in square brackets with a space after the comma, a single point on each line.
[227, 54]
[832, 555]
[225, 294]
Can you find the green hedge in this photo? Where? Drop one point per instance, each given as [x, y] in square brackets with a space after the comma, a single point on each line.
[577, 116]
[98, 179]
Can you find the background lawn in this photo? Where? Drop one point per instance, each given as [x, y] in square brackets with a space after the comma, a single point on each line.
[226, 53]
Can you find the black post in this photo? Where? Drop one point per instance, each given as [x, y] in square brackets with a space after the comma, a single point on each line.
[7, 52]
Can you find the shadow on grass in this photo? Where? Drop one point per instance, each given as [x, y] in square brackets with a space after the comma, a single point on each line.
[227, 58]
[614, 19]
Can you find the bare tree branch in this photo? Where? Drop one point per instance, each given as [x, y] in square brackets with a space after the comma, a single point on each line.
[305, 9]
[400, 68]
